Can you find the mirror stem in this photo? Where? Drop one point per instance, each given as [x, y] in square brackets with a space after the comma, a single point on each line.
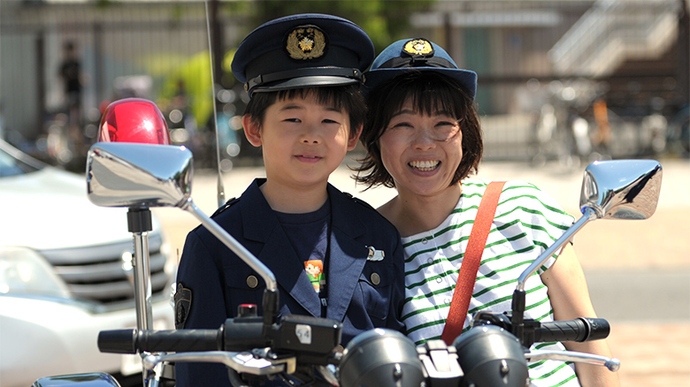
[233, 245]
[270, 306]
[588, 214]
[519, 303]
[139, 223]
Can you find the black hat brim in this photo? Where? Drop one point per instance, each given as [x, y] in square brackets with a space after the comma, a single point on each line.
[374, 78]
[306, 82]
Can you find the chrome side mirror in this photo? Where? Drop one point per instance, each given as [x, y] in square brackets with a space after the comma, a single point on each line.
[614, 189]
[138, 175]
[618, 189]
[621, 189]
[151, 175]
[95, 379]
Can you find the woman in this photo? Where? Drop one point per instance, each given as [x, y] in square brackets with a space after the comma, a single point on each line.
[423, 137]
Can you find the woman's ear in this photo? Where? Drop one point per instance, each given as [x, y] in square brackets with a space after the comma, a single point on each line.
[352, 141]
[252, 130]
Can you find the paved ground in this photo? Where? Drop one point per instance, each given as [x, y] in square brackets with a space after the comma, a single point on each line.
[638, 271]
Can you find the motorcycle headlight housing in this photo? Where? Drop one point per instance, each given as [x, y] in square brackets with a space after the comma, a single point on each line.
[381, 357]
[491, 356]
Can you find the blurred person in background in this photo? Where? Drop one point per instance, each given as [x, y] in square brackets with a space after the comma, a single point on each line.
[73, 81]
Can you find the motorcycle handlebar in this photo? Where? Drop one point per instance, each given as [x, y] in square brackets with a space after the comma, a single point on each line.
[233, 335]
[579, 330]
[131, 341]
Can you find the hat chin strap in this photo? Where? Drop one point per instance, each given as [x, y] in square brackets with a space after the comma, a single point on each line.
[399, 62]
[330, 71]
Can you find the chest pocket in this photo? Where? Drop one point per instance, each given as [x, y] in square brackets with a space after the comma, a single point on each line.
[375, 286]
[242, 286]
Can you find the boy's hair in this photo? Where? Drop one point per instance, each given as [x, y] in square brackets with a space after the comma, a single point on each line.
[346, 98]
[429, 92]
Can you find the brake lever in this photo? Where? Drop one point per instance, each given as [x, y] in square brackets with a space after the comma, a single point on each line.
[611, 363]
[241, 362]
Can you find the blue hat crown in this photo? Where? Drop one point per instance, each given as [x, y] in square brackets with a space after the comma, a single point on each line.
[417, 54]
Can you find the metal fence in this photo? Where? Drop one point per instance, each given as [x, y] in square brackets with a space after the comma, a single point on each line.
[570, 80]
[560, 80]
[123, 51]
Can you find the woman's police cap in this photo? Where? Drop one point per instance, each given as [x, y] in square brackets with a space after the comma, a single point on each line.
[417, 55]
[305, 50]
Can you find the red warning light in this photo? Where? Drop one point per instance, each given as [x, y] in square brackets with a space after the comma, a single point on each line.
[133, 120]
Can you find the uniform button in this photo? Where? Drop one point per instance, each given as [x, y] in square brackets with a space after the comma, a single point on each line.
[430, 261]
[446, 300]
[424, 241]
[252, 281]
[375, 278]
[439, 280]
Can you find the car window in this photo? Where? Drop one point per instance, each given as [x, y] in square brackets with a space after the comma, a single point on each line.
[8, 166]
[13, 162]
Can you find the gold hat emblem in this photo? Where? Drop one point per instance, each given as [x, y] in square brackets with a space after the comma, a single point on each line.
[418, 47]
[306, 42]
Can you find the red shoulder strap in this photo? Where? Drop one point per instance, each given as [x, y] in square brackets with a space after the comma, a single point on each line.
[470, 262]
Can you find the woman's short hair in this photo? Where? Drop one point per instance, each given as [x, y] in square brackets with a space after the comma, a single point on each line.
[429, 93]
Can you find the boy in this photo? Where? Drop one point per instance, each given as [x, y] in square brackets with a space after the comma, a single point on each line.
[302, 74]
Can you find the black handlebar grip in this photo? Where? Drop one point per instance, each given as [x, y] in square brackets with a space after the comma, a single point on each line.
[241, 334]
[184, 340]
[580, 329]
[118, 341]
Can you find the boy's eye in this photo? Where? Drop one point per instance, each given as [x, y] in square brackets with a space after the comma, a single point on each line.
[293, 120]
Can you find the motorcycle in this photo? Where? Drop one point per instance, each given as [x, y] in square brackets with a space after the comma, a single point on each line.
[493, 352]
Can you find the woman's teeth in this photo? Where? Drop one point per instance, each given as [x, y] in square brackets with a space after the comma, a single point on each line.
[424, 165]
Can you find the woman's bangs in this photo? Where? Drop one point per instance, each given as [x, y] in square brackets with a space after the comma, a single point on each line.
[430, 97]
[433, 100]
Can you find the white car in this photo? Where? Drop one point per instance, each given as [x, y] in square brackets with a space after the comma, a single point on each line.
[65, 274]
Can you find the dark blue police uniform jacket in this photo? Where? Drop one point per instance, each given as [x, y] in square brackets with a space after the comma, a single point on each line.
[218, 279]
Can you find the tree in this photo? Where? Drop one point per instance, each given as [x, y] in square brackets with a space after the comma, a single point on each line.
[384, 21]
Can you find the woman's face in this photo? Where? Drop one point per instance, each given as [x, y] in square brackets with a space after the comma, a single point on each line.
[421, 152]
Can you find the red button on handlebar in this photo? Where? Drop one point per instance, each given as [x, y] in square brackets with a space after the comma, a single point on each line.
[247, 310]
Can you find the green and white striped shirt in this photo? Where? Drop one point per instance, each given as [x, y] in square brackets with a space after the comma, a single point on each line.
[527, 221]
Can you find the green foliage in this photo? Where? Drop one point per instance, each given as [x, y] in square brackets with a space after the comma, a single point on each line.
[384, 20]
[195, 75]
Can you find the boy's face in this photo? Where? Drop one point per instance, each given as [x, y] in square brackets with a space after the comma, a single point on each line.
[303, 141]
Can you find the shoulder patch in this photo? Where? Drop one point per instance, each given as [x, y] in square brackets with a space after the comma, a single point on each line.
[225, 206]
[183, 302]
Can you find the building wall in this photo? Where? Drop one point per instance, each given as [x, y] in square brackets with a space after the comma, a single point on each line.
[506, 42]
[129, 40]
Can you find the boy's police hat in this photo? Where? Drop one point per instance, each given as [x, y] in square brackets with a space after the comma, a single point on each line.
[417, 55]
[305, 50]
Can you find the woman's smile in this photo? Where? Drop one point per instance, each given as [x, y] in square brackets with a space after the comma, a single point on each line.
[424, 165]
